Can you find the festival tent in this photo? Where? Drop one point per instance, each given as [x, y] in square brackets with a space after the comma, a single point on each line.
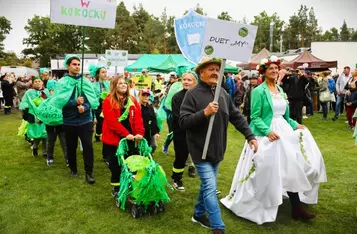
[313, 63]
[173, 63]
[145, 61]
[166, 63]
[230, 68]
[255, 60]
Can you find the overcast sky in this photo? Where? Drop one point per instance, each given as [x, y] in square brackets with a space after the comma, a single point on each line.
[330, 13]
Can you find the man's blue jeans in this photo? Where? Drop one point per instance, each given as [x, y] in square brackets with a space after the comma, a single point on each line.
[207, 198]
[339, 102]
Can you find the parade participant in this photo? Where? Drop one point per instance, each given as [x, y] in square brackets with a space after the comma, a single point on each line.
[158, 84]
[195, 111]
[351, 100]
[101, 87]
[36, 130]
[231, 83]
[167, 108]
[122, 119]
[45, 75]
[247, 97]
[341, 91]
[149, 119]
[7, 84]
[287, 161]
[323, 88]
[74, 95]
[179, 135]
[296, 92]
[22, 85]
[127, 76]
[53, 132]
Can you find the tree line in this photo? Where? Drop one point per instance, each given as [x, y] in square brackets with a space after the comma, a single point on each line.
[140, 32]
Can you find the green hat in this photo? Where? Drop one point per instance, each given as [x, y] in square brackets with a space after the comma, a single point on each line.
[94, 68]
[51, 84]
[68, 56]
[43, 70]
[36, 78]
[207, 61]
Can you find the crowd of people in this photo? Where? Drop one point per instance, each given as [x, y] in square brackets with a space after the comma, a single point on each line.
[267, 108]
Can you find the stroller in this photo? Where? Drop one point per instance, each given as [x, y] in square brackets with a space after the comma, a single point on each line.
[142, 182]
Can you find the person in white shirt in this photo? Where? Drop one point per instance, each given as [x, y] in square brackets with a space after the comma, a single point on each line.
[341, 91]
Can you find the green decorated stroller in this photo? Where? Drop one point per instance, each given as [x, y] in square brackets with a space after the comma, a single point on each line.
[142, 182]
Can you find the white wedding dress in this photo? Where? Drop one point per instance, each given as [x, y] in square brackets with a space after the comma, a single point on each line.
[291, 164]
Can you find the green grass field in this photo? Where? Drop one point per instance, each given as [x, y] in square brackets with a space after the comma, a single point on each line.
[35, 198]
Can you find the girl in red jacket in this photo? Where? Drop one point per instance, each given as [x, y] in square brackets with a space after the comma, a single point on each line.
[122, 118]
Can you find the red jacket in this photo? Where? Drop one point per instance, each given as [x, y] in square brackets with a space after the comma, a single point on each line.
[113, 130]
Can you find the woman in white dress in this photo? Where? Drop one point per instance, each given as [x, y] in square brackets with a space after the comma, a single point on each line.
[288, 161]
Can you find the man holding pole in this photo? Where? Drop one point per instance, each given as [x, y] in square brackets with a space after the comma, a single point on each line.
[196, 110]
[75, 98]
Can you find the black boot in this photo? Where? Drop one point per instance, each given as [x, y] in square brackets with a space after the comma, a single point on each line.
[89, 178]
[192, 171]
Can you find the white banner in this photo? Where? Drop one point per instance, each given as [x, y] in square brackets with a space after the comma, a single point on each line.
[118, 58]
[92, 13]
[229, 40]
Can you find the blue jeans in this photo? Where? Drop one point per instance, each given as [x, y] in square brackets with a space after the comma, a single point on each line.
[339, 102]
[207, 198]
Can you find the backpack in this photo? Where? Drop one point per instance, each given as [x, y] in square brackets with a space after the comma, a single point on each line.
[331, 85]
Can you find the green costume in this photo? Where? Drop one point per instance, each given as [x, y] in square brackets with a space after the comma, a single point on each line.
[101, 93]
[31, 101]
[44, 70]
[51, 109]
[262, 115]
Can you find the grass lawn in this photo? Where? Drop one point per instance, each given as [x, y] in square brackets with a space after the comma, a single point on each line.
[35, 198]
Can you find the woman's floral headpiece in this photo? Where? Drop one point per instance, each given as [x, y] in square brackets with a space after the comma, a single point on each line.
[264, 63]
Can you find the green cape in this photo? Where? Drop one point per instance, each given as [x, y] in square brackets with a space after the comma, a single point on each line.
[96, 87]
[31, 101]
[51, 109]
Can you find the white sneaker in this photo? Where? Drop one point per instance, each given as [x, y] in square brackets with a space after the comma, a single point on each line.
[305, 117]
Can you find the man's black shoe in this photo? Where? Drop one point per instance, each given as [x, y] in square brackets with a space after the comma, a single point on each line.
[203, 220]
[89, 178]
[74, 174]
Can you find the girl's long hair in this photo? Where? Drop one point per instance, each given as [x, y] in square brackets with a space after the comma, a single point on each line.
[115, 101]
[96, 77]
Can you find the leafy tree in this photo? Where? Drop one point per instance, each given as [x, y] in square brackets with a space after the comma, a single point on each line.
[5, 28]
[125, 34]
[152, 36]
[263, 22]
[46, 39]
[303, 22]
[334, 34]
[96, 39]
[198, 9]
[9, 59]
[313, 30]
[345, 34]
[354, 36]
[225, 16]
[172, 46]
[140, 16]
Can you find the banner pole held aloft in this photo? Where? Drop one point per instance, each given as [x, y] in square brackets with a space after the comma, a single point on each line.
[83, 39]
[216, 97]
